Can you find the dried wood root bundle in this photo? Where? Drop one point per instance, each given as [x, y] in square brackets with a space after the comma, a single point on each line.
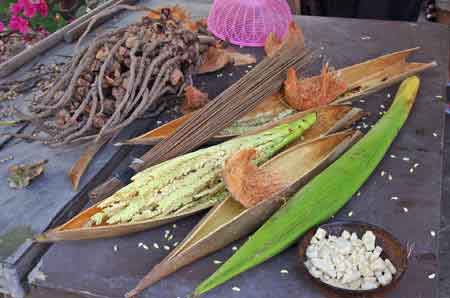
[312, 92]
[190, 180]
[119, 76]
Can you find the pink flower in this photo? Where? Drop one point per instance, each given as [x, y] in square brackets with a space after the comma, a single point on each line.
[2, 27]
[30, 9]
[16, 8]
[18, 23]
[42, 8]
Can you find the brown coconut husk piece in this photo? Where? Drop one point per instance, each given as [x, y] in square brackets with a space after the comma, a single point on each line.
[249, 184]
[313, 92]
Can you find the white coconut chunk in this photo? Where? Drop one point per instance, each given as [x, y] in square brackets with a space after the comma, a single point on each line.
[378, 265]
[324, 266]
[376, 253]
[315, 272]
[385, 278]
[369, 240]
[390, 266]
[351, 276]
[365, 270]
[343, 246]
[369, 283]
[312, 251]
[346, 235]
[354, 285]
[320, 234]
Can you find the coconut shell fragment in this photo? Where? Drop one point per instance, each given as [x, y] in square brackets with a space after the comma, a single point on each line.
[249, 184]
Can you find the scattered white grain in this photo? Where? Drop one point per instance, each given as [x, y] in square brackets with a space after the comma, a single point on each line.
[140, 244]
[432, 276]
[246, 71]
[230, 74]
[115, 248]
[362, 100]
[284, 271]
[380, 113]
[250, 66]
[366, 37]
[406, 159]
[390, 177]
[433, 233]
[350, 214]
[358, 193]
[439, 96]
[393, 156]
[155, 245]
[158, 122]
[166, 247]
[411, 170]
[382, 106]
[358, 127]
[144, 246]
[175, 244]
[388, 95]
[405, 209]
[234, 248]
[217, 262]
[170, 238]
[382, 173]
[236, 289]
[322, 48]
[435, 134]
[394, 198]
[174, 226]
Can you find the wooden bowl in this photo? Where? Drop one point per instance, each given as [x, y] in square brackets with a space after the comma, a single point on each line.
[392, 249]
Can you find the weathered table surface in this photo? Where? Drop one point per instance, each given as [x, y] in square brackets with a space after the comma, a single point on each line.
[93, 269]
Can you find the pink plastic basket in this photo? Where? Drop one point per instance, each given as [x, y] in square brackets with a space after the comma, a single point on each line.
[248, 22]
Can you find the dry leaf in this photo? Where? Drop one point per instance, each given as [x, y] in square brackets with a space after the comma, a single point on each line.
[81, 165]
[238, 58]
[177, 13]
[312, 92]
[21, 176]
[249, 184]
[272, 44]
[293, 36]
[194, 99]
[216, 59]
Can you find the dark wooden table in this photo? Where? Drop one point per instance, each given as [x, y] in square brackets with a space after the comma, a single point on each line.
[94, 269]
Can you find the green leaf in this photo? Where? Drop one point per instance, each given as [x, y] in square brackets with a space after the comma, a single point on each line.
[325, 195]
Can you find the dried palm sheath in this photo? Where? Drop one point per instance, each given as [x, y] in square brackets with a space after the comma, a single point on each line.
[265, 79]
[361, 80]
[229, 220]
[324, 196]
[175, 188]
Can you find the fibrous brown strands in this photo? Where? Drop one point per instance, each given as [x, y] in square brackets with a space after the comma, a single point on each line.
[249, 184]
